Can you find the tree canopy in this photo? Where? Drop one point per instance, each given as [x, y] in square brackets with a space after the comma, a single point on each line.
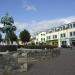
[24, 36]
[0, 37]
[13, 37]
[8, 28]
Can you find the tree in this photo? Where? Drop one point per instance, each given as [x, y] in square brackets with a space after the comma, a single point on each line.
[0, 37]
[24, 36]
[13, 37]
[8, 22]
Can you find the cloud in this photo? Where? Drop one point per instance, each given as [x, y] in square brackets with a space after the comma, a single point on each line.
[36, 26]
[30, 8]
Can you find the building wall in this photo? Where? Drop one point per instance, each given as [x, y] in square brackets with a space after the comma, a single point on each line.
[41, 37]
[59, 37]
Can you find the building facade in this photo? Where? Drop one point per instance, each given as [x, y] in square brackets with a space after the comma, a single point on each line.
[58, 36]
[41, 38]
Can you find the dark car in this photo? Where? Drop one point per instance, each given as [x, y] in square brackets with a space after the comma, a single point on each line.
[65, 46]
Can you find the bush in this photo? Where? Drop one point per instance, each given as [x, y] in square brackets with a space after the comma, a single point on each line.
[37, 46]
[4, 48]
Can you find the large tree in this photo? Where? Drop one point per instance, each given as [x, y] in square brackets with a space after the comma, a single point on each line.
[13, 37]
[8, 27]
[0, 37]
[24, 36]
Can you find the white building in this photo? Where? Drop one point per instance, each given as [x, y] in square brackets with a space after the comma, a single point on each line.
[41, 37]
[62, 35]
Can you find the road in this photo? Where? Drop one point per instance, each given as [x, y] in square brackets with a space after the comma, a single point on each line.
[60, 65]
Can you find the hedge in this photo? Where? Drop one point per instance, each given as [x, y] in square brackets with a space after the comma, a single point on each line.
[37, 46]
[4, 48]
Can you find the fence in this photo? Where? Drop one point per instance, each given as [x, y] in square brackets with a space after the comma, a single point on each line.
[43, 54]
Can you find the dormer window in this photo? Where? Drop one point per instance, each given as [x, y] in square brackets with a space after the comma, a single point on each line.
[70, 25]
[73, 24]
[66, 26]
[61, 28]
[57, 29]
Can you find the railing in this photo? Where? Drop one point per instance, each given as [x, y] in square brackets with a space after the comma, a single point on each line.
[43, 54]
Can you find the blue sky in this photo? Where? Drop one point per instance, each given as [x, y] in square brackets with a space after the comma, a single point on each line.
[29, 11]
[43, 9]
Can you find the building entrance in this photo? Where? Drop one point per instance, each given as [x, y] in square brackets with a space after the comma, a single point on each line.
[64, 43]
[73, 43]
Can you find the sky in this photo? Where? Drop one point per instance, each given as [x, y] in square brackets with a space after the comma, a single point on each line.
[38, 15]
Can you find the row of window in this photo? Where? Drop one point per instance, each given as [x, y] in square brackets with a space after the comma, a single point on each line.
[54, 36]
[68, 26]
[48, 37]
[42, 34]
[42, 39]
[61, 35]
[72, 33]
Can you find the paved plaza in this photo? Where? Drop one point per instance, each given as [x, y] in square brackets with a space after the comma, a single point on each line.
[60, 65]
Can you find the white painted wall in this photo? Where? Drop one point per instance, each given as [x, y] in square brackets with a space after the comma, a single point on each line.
[58, 33]
[40, 35]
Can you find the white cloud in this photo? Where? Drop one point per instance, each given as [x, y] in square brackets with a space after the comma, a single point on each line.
[30, 8]
[35, 26]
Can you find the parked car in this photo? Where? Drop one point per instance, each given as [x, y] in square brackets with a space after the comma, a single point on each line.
[65, 46]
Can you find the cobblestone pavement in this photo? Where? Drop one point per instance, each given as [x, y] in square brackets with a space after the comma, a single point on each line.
[60, 65]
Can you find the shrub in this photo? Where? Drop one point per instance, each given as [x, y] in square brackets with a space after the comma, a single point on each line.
[4, 48]
[37, 46]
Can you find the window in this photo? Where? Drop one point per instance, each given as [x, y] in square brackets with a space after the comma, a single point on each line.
[42, 39]
[37, 39]
[66, 26]
[74, 25]
[42, 34]
[70, 25]
[48, 37]
[63, 27]
[74, 33]
[70, 33]
[55, 36]
[62, 35]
